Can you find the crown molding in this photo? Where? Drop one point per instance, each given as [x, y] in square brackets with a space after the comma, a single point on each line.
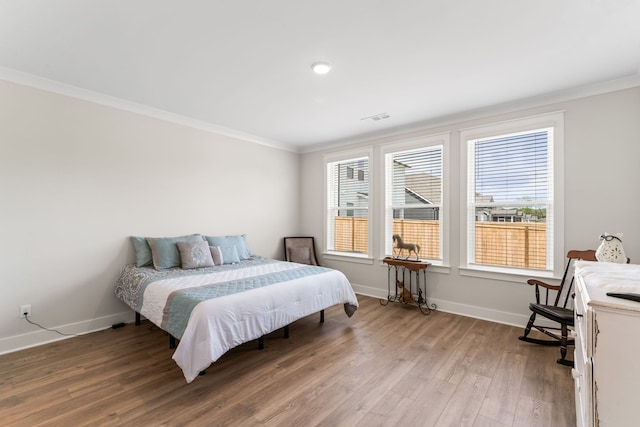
[30, 80]
[570, 94]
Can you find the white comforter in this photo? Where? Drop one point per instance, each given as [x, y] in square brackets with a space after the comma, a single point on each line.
[219, 324]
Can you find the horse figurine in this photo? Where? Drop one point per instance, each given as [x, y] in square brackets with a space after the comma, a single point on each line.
[410, 247]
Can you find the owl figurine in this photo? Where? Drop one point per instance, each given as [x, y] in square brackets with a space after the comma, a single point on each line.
[610, 249]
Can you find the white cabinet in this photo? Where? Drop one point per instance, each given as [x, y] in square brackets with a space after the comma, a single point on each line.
[607, 349]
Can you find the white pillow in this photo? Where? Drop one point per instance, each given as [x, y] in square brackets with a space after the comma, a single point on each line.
[216, 254]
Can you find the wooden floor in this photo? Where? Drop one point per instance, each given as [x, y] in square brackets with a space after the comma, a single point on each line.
[385, 366]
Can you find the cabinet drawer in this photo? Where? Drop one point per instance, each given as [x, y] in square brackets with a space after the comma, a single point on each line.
[582, 377]
[583, 317]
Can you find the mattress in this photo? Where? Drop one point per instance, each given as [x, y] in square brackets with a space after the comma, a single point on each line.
[211, 310]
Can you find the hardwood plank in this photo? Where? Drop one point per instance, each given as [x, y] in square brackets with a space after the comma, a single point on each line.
[364, 397]
[501, 400]
[430, 403]
[390, 409]
[387, 365]
[534, 412]
[464, 405]
[486, 422]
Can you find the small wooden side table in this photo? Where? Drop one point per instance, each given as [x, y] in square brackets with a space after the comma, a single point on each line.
[407, 286]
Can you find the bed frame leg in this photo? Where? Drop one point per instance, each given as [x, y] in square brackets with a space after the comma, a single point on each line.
[137, 319]
[321, 316]
[261, 343]
[172, 341]
[286, 331]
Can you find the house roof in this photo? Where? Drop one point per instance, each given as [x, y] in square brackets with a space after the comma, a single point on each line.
[424, 186]
[482, 198]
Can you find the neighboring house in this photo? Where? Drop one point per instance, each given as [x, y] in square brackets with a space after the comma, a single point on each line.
[502, 214]
[510, 215]
[425, 189]
[353, 188]
[415, 189]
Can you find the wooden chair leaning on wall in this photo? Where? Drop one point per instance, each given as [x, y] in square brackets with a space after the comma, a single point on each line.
[301, 250]
[556, 311]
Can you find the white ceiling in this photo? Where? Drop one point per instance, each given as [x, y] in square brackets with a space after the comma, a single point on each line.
[244, 65]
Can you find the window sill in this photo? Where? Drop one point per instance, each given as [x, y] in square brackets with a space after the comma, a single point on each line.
[508, 275]
[358, 259]
[442, 269]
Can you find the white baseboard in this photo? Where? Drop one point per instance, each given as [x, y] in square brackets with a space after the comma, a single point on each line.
[368, 291]
[41, 336]
[513, 319]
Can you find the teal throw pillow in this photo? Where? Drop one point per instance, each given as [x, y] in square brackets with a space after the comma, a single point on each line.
[229, 254]
[165, 252]
[142, 250]
[240, 242]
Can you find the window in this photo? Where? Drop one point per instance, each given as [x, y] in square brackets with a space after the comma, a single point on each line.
[512, 223]
[348, 204]
[414, 198]
[349, 172]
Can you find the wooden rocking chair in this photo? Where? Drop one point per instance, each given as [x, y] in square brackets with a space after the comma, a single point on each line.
[556, 311]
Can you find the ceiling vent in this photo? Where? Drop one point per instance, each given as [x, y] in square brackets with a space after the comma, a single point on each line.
[377, 117]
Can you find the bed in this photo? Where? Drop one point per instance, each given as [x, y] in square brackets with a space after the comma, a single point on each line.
[213, 309]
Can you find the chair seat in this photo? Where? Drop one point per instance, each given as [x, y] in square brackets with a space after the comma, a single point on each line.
[560, 315]
[557, 314]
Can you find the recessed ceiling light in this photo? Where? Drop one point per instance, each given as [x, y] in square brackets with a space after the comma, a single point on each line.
[321, 67]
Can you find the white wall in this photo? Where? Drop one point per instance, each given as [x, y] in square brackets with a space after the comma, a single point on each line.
[602, 174]
[77, 179]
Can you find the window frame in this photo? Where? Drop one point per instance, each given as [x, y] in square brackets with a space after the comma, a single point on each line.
[343, 156]
[442, 140]
[556, 254]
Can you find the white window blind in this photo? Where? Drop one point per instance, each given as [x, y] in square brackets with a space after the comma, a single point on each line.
[413, 202]
[510, 200]
[348, 206]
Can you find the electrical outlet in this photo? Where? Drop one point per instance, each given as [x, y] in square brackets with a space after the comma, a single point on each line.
[25, 311]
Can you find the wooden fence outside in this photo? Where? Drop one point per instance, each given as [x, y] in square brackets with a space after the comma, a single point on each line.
[350, 234]
[512, 244]
[507, 244]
